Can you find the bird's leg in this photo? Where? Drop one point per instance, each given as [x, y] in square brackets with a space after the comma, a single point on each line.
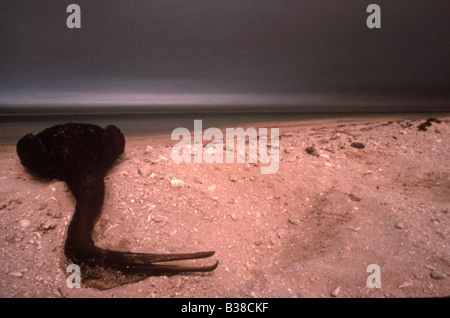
[79, 246]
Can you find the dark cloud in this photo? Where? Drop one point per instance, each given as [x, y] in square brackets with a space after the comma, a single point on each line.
[233, 46]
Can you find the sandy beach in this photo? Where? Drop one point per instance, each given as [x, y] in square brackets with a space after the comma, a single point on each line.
[348, 193]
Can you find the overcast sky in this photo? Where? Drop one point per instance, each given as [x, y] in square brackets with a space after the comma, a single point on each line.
[211, 51]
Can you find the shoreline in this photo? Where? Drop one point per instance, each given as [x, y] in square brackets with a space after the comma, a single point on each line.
[138, 125]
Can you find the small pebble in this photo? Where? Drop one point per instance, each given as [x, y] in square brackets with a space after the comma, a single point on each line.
[46, 226]
[55, 215]
[399, 225]
[198, 180]
[158, 218]
[354, 197]
[405, 284]
[355, 229]
[357, 145]
[42, 205]
[294, 221]
[16, 274]
[335, 292]
[437, 275]
[430, 268]
[175, 183]
[233, 178]
[312, 151]
[144, 171]
[148, 150]
[24, 223]
[289, 150]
